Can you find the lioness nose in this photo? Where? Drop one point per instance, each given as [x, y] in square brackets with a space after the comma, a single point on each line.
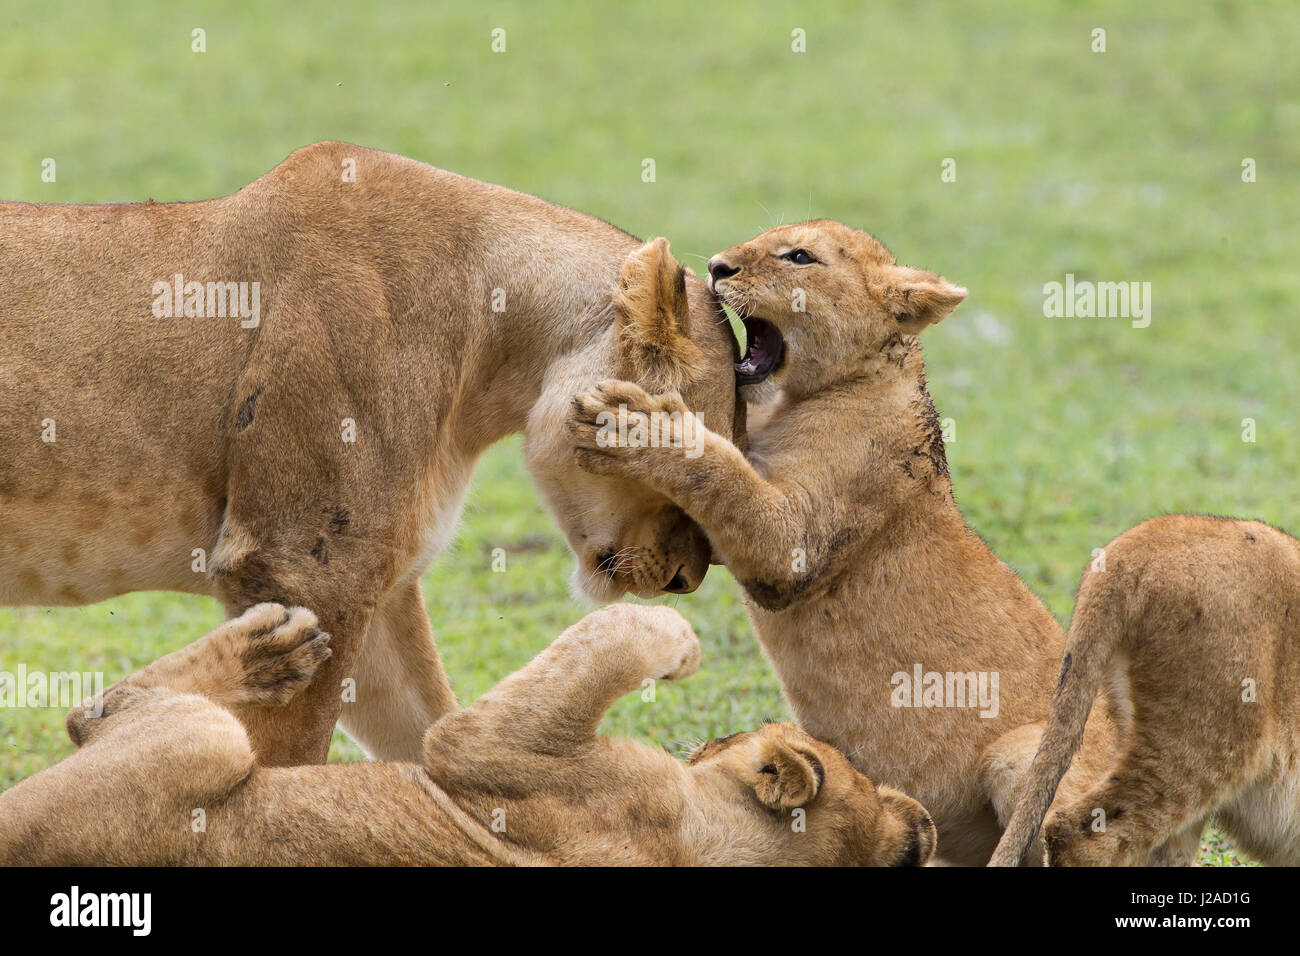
[681, 583]
[719, 270]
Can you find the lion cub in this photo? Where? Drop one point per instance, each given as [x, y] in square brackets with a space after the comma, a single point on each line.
[521, 777]
[1193, 613]
[896, 633]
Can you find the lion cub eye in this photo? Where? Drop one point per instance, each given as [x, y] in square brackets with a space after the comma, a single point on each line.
[800, 257]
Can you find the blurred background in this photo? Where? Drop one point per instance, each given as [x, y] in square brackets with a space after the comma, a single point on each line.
[1122, 165]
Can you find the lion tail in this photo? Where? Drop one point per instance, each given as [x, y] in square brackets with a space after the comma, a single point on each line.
[1097, 630]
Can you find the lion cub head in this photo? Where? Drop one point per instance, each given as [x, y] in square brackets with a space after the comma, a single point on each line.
[819, 300]
[817, 807]
[668, 334]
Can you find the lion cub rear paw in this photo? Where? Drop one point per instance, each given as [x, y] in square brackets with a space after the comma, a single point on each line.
[668, 642]
[683, 654]
[82, 722]
[277, 651]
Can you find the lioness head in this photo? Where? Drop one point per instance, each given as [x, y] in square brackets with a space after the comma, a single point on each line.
[668, 334]
[817, 299]
[816, 805]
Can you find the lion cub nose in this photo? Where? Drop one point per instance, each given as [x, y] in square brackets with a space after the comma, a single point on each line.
[719, 270]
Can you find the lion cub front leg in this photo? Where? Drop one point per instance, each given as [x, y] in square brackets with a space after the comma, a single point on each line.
[264, 657]
[565, 690]
[554, 704]
[753, 522]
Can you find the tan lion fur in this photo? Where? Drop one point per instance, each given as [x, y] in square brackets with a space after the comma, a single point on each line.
[434, 313]
[1188, 617]
[842, 528]
[167, 774]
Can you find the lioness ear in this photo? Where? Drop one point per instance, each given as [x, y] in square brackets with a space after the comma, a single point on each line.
[653, 316]
[785, 778]
[916, 298]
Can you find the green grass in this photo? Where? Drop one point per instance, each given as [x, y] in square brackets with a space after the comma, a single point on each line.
[1114, 166]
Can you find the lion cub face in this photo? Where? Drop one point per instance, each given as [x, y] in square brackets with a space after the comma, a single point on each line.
[819, 300]
[778, 769]
[667, 335]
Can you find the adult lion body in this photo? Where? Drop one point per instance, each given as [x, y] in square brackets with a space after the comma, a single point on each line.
[840, 524]
[317, 453]
[521, 777]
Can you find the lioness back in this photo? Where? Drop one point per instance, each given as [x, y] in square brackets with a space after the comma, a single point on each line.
[129, 326]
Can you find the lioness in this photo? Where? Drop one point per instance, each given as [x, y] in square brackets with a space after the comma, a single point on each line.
[280, 396]
[518, 778]
[1192, 615]
[896, 633]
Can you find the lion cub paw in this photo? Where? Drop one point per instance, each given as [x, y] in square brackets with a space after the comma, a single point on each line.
[615, 423]
[666, 643]
[276, 652]
[683, 655]
[82, 722]
[612, 398]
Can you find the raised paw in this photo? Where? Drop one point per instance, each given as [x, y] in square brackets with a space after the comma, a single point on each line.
[277, 653]
[676, 648]
[613, 396]
[664, 641]
[614, 424]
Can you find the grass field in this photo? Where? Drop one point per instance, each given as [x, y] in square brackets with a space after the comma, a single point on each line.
[1114, 166]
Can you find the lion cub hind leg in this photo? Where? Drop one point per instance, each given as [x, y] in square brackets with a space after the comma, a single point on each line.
[264, 657]
[153, 764]
[1151, 808]
[1263, 821]
[161, 746]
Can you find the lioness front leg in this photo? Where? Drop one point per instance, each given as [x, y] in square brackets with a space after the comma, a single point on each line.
[755, 523]
[401, 687]
[559, 698]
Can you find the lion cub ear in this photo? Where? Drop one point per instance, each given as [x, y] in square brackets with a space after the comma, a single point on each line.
[785, 778]
[916, 298]
[653, 316]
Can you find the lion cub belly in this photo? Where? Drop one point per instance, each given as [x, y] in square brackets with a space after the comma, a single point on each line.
[1265, 818]
[69, 551]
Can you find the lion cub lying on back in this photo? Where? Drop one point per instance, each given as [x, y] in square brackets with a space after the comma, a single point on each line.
[519, 778]
[896, 633]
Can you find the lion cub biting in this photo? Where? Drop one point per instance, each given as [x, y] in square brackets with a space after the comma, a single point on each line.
[842, 528]
[521, 777]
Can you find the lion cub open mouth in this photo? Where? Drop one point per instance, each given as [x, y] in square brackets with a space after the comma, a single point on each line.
[764, 352]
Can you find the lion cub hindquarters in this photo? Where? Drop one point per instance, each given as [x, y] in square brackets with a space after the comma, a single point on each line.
[1196, 617]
